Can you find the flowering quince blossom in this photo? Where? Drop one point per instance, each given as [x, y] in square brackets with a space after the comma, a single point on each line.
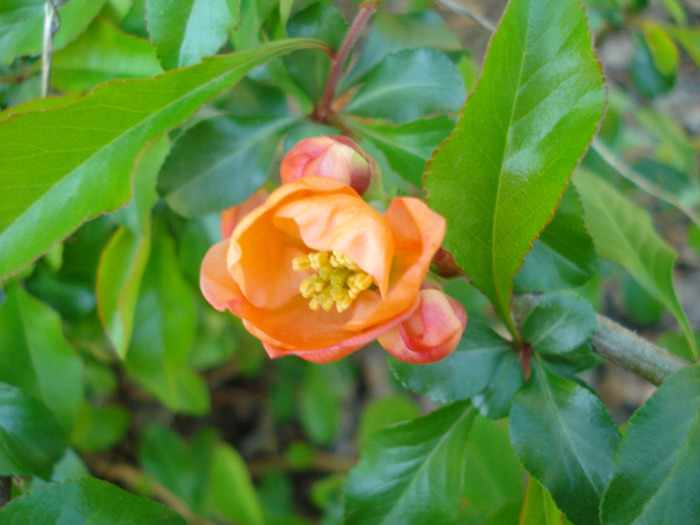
[316, 272]
[337, 157]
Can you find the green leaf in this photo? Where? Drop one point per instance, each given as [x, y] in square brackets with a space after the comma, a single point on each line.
[645, 76]
[102, 53]
[220, 162]
[559, 323]
[392, 33]
[463, 374]
[411, 473]
[506, 379]
[689, 39]
[86, 501]
[309, 69]
[99, 428]
[231, 488]
[163, 333]
[86, 150]
[494, 478]
[35, 357]
[409, 85]
[564, 255]
[657, 472]
[539, 507]
[623, 233]
[31, 436]
[663, 50]
[566, 439]
[407, 147]
[385, 411]
[22, 22]
[500, 175]
[185, 31]
[182, 468]
[321, 401]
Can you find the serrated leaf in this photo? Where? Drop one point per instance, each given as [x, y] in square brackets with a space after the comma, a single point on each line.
[385, 411]
[163, 333]
[391, 33]
[411, 473]
[559, 323]
[495, 400]
[232, 490]
[22, 22]
[539, 507]
[86, 150]
[102, 53]
[657, 473]
[623, 233]
[185, 31]
[500, 175]
[35, 356]
[83, 501]
[564, 255]
[463, 374]
[408, 146]
[220, 162]
[31, 436]
[566, 439]
[409, 85]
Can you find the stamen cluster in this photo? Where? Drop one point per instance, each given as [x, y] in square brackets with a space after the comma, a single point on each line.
[336, 281]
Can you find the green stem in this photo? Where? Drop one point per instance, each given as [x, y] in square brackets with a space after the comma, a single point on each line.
[323, 109]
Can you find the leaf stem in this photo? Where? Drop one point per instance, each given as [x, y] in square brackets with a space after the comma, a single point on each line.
[323, 108]
[621, 346]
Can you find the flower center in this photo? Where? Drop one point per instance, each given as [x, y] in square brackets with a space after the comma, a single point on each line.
[336, 281]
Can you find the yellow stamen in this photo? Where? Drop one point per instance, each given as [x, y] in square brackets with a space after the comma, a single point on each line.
[336, 281]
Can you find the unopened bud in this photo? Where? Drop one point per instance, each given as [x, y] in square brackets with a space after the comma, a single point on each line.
[444, 264]
[337, 157]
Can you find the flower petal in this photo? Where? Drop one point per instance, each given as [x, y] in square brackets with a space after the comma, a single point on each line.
[215, 281]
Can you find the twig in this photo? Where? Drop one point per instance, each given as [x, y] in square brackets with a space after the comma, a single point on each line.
[460, 9]
[638, 180]
[622, 346]
[52, 23]
[323, 109]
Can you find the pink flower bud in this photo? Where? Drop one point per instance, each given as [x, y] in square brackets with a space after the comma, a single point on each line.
[231, 217]
[430, 333]
[444, 264]
[337, 157]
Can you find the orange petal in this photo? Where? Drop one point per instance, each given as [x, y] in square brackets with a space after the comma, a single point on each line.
[231, 217]
[431, 333]
[215, 281]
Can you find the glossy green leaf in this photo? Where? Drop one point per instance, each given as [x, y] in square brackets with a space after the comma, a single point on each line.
[639, 305]
[564, 255]
[409, 85]
[464, 373]
[500, 175]
[657, 473]
[559, 323]
[539, 507]
[183, 468]
[22, 22]
[494, 478]
[566, 439]
[623, 233]
[35, 356]
[407, 147]
[385, 411]
[495, 399]
[411, 473]
[83, 502]
[31, 436]
[220, 162]
[87, 149]
[391, 33]
[102, 53]
[99, 427]
[185, 31]
[163, 333]
[310, 69]
[231, 488]
[663, 50]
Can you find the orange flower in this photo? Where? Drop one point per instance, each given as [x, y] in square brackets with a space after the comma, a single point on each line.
[337, 157]
[318, 273]
[231, 217]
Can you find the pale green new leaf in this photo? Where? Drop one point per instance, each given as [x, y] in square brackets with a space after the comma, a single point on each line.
[623, 233]
[76, 162]
[499, 176]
